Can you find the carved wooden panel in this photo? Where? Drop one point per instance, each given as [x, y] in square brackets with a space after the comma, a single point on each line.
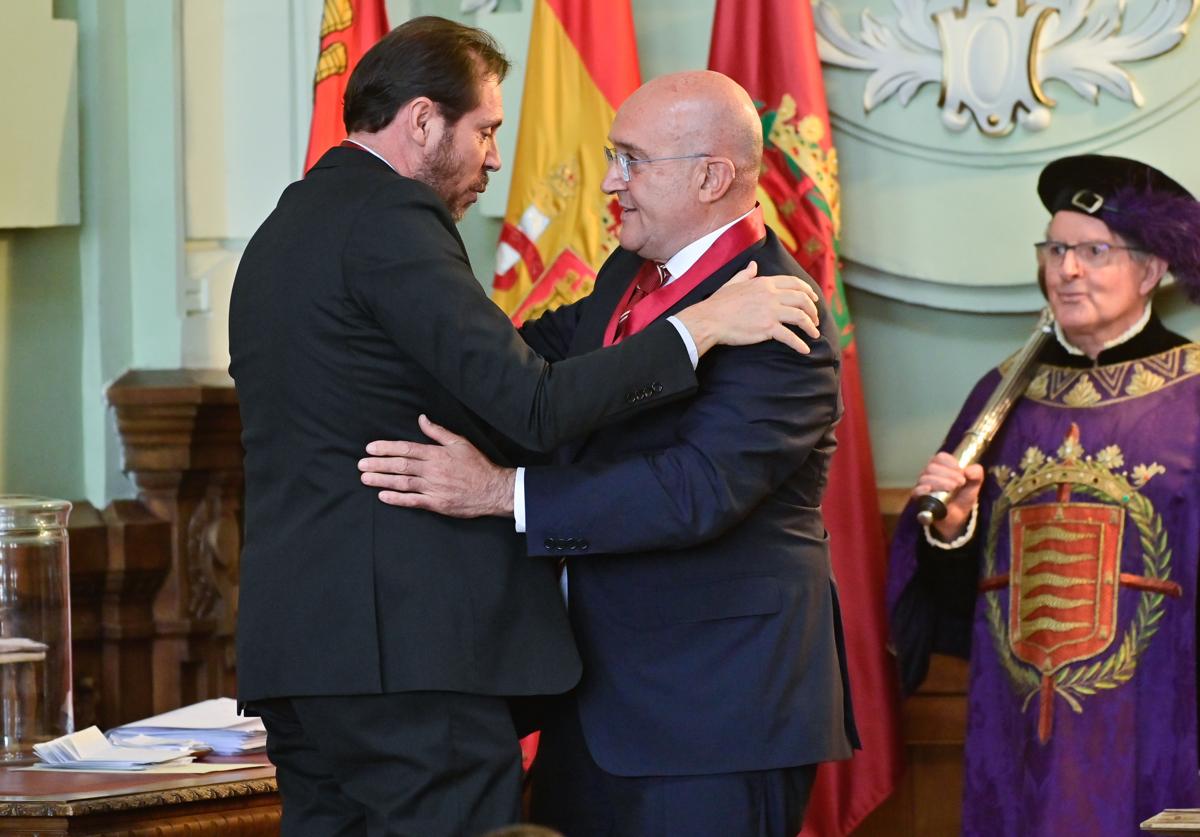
[119, 558]
[181, 436]
[139, 551]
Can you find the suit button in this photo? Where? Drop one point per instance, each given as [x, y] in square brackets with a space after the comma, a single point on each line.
[548, 543]
[658, 387]
[583, 544]
[630, 397]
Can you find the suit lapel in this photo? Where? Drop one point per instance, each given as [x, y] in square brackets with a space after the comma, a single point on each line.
[719, 277]
[614, 279]
[611, 282]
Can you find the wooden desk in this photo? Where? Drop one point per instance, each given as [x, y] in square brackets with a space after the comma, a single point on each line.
[234, 802]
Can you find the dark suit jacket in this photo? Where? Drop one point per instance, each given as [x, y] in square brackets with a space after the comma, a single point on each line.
[701, 590]
[354, 310]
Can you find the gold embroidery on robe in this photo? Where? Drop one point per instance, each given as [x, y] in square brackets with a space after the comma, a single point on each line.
[1144, 382]
[1116, 382]
[1083, 394]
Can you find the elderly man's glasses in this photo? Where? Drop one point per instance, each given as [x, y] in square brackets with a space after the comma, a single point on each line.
[624, 161]
[1089, 253]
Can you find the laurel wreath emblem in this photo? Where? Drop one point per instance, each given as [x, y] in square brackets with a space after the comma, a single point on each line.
[1095, 477]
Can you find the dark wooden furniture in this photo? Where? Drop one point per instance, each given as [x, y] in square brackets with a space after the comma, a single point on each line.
[181, 437]
[227, 804]
[154, 580]
[928, 802]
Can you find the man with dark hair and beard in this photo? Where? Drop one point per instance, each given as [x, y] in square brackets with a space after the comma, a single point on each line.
[379, 644]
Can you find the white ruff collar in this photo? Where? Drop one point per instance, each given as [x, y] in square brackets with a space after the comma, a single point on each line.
[1132, 331]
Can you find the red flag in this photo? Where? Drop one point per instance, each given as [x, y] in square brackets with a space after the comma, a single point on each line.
[770, 48]
[348, 29]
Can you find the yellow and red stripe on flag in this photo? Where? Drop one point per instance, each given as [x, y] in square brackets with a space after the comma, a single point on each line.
[348, 29]
[559, 226]
[770, 48]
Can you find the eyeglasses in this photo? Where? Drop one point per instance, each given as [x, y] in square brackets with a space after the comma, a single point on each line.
[624, 161]
[1092, 254]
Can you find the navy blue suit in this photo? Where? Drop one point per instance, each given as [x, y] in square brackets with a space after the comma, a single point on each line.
[701, 592]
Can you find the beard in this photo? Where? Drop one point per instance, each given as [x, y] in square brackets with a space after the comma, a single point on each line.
[443, 170]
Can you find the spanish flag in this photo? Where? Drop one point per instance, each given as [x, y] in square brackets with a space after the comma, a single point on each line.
[769, 47]
[559, 226]
[348, 29]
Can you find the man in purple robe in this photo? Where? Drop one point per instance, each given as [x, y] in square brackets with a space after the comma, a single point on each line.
[1066, 565]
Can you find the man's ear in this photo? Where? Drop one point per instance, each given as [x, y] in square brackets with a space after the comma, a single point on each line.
[718, 176]
[419, 120]
[1152, 273]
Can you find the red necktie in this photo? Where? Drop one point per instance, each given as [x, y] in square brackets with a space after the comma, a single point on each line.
[648, 282]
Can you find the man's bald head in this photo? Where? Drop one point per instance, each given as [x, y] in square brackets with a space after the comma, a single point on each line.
[708, 110]
[706, 118]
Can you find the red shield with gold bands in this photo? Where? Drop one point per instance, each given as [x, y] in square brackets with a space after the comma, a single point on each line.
[1063, 581]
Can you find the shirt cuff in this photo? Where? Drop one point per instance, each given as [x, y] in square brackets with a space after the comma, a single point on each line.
[688, 342]
[519, 501]
[967, 534]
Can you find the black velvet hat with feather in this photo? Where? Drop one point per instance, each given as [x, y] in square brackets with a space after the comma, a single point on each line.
[1137, 202]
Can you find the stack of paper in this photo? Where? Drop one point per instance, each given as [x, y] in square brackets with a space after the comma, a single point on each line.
[17, 649]
[211, 723]
[89, 750]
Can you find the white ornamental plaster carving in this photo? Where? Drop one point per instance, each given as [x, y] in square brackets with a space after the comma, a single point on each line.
[992, 58]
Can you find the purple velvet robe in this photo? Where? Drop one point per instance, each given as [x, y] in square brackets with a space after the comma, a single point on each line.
[1114, 660]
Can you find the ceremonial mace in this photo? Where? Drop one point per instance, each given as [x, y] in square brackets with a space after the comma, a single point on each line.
[932, 506]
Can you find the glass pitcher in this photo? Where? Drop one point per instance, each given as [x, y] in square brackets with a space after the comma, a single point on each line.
[35, 625]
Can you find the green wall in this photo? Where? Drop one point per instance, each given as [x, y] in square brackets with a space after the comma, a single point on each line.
[923, 209]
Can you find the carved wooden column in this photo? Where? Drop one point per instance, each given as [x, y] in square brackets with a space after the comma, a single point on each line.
[119, 558]
[139, 560]
[181, 436]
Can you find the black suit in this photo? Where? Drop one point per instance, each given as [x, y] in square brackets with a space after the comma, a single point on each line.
[354, 310]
